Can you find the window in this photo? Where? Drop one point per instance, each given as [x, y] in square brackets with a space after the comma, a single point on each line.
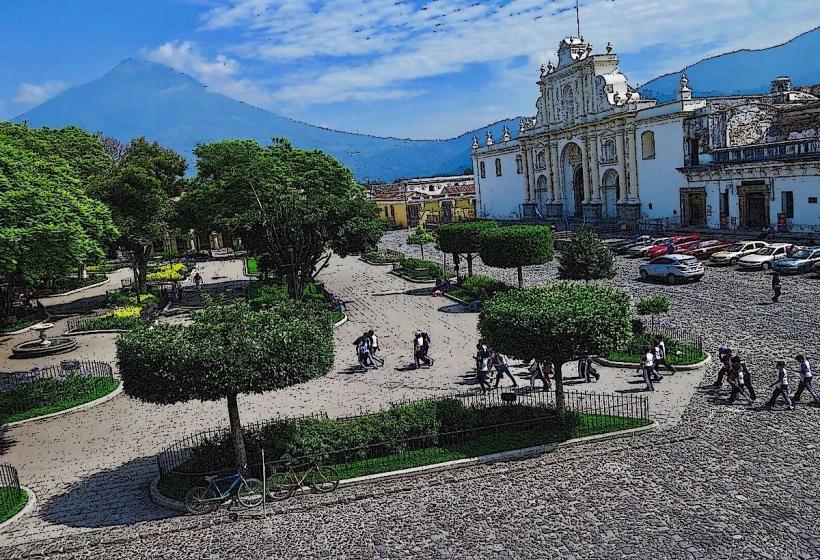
[608, 150]
[540, 160]
[787, 199]
[648, 145]
[498, 167]
[519, 165]
[724, 203]
[481, 170]
[812, 200]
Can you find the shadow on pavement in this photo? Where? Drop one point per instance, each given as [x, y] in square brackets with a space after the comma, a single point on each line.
[6, 442]
[118, 496]
[456, 308]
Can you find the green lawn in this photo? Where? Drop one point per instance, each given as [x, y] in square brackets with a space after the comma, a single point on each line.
[103, 387]
[252, 266]
[687, 358]
[11, 502]
[21, 323]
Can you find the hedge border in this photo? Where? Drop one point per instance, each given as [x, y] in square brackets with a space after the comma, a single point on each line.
[691, 367]
[512, 455]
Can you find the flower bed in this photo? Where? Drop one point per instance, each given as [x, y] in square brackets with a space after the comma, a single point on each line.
[36, 395]
[168, 273]
[129, 299]
[121, 318]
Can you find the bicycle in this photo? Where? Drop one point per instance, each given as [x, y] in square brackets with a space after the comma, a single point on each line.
[205, 499]
[284, 485]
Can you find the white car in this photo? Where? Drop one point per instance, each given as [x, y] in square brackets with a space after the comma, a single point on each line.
[639, 250]
[763, 258]
[672, 268]
[737, 251]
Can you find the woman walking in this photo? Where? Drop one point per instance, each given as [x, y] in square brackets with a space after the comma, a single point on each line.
[538, 370]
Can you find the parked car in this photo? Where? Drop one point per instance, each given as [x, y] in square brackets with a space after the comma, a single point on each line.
[641, 249]
[737, 251]
[672, 268]
[762, 259]
[705, 249]
[816, 268]
[616, 244]
[801, 260]
[679, 242]
[631, 242]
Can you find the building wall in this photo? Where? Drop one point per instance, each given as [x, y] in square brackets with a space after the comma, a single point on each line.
[500, 197]
[659, 180]
[395, 211]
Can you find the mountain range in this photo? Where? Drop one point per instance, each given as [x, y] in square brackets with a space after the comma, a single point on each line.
[139, 98]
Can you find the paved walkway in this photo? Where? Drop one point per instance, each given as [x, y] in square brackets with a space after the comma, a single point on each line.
[723, 481]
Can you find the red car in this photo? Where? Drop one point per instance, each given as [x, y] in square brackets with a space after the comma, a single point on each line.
[705, 249]
[679, 242]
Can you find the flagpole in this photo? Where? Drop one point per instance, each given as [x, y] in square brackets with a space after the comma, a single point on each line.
[578, 17]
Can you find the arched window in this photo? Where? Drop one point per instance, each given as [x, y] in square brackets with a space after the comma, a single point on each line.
[481, 170]
[608, 150]
[648, 145]
[540, 160]
[519, 165]
[498, 167]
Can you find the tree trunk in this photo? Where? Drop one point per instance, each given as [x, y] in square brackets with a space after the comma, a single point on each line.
[422, 251]
[240, 456]
[559, 389]
[469, 264]
[520, 278]
[456, 260]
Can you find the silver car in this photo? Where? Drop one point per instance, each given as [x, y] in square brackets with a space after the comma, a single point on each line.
[673, 268]
[762, 259]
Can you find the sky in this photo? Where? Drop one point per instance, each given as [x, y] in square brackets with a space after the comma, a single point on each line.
[404, 68]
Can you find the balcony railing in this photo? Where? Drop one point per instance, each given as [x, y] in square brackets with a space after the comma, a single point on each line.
[789, 149]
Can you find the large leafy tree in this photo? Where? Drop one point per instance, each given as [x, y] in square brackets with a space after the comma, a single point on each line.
[295, 206]
[584, 257]
[559, 323]
[49, 225]
[140, 191]
[517, 247]
[463, 239]
[227, 350]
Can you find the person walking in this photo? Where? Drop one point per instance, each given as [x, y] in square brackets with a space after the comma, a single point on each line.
[776, 287]
[646, 367]
[590, 371]
[781, 385]
[660, 356]
[363, 352]
[483, 373]
[198, 281]
[425, 349]
[421, 346]
[805, 380]
[736, 382]
[746, 377]
[725, 357]
[538, 371]
[502, 368]
[373, 343]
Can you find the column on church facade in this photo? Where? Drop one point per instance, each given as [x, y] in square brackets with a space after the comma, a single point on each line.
[634, 195]
[621, 155]
[555, 172]
[585, 169]
[593, 168]
[531, 194]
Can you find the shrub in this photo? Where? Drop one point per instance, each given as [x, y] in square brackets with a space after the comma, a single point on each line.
[653, 305]
[516, 247]
[121, 318]
[129, 299]
[168, 273]
[585, 257]
[475, 284]
[433, 269]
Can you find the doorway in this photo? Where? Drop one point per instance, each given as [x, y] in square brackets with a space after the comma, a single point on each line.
[578, 191]
[756, 210]
[693, 207]
[753, 198]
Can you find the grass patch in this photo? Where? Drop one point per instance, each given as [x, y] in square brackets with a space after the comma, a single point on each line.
[22, 323]
[12, 501]
[677, 354]
[252, 266]
[383, 256]
[108, 267]
[98, 387]
[336, 316]
[461, 294]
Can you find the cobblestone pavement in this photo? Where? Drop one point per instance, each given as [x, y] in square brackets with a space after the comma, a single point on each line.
[724, 482]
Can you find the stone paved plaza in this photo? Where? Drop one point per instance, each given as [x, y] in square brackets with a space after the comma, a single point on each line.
[715, 481]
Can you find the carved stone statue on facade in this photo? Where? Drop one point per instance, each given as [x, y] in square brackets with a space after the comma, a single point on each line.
[609, 48]
[505, 135]
[489, 141]
[475, 143]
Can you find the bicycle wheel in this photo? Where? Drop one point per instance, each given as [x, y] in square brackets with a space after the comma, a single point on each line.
[280, 487]
[324, 479]
[201, 500]
[250, 493]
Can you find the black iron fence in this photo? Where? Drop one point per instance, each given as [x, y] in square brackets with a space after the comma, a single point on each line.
[683, 345]
[522, 418]
[43, 387]
[11, 493]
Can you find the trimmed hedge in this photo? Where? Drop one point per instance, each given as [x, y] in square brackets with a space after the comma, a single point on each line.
[168, 272]
[473, 285]
[653, 305]
[517, 246]
[462, 237]
[433, 269]
[121, 318]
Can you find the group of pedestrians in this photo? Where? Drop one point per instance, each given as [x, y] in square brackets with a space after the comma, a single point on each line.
[654, 357]
[736, 372]
[487, 359]
[367, 350]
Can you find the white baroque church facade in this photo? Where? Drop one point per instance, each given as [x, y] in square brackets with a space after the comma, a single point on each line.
[597, 151]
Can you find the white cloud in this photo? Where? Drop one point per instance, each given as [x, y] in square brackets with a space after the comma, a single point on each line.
[220, 74]
[29, 95]
[377, 49]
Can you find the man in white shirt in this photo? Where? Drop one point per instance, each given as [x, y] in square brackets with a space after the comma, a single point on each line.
[781, 385]
[660, 356]
[647, 367]
[805, 380]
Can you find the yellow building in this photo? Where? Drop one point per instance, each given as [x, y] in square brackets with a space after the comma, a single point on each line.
[429, 200]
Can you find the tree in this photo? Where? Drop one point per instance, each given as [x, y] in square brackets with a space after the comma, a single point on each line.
[558, 323]
[296, 206]
[49, 225]
[517, 247]
[463, 239]
[420, 237]
[227, 350]
[140, 191]
[585, 257]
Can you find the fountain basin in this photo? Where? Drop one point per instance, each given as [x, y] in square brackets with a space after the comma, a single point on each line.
[36, 348]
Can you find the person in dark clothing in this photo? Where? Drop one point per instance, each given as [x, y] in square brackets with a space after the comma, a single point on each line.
[725, 357]
[502, 368]
[746, 377]
[425, 349]
[590, 371]
[776, 287]
[736, 378]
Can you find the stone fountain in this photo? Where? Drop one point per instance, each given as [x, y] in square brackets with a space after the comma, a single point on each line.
[43, 346]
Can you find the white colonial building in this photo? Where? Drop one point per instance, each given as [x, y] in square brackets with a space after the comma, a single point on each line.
[596, 151]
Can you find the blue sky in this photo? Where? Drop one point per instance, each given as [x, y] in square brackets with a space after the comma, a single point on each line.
[407, 68]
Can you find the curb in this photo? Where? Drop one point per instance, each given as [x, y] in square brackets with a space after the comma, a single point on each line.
[32, 501]
[512, 455]
[341, 321]
[77, 408]
[606, 363]
[68, 293]
[410, 280]
[455, 299]
[104, 331]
